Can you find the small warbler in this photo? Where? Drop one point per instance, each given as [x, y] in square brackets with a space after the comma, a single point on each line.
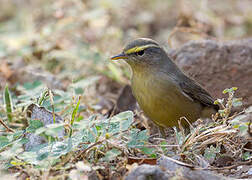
[162, 90]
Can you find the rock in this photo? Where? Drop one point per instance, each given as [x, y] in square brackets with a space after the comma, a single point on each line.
[178, 171]
[224, 160]
[125, 101]
[147, 172]
[217, 66]
[168, 169]
[36, 112]
[33, 141]
[46, 117]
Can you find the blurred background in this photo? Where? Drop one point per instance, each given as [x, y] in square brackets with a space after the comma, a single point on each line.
[66, 44]
[60, 42]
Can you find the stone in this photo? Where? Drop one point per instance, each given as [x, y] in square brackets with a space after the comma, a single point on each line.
[217, 65]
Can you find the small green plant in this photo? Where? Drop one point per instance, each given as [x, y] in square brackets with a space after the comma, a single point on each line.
[97, 138]
[208, 138]
[211, 152]
[8, 103]
[247, 156]
[226, 106]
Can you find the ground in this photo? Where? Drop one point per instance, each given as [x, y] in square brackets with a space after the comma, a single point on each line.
[62, 104]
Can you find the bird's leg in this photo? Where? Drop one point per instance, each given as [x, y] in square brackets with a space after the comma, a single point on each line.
[161, 132]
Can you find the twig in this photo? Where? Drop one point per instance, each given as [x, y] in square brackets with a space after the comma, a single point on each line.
[150, 146]
[236, 114]
[8, 129]
[96, 143]
[85, 150]
[180, 162]
[210, 168]
[158, 139]
[228, 167]
[246, 149]
[249, 127]
[52, 105]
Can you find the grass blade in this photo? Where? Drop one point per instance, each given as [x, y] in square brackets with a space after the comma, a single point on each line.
[8, 103]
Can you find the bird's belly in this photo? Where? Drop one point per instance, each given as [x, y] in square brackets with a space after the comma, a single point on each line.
[165, 106]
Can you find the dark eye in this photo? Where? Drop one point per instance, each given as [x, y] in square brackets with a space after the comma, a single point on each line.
[140, 53]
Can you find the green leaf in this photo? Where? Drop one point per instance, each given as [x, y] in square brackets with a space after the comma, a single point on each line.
[51, 129]
[246, 156]
[15, 135]
[17, 163]
[122, 116]
[33, 85]
[164, 143]
[79, 90]
[225, 91]
[14, 150]
[4, 141]
[243, 128]
[8, 103]
[42, 97]
[30, 157]
[88, 137]
[148, 151]
[210, 152]
[237, 102]
[34, 125]
[137, 138]
[42, 156]
[234, 88]
[179, 137]
[221, 112]
[111, 155]
[229, 90]
[121, 122]
[75, 110]
[236, 126]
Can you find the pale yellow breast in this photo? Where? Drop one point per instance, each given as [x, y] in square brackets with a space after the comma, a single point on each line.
[162, 101]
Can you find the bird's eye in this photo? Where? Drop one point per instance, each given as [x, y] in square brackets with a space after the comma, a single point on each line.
[140, 53]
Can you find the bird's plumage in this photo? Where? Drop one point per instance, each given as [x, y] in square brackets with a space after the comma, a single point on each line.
[162, 90]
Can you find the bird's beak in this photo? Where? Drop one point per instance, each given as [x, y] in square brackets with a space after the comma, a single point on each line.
[119, 56]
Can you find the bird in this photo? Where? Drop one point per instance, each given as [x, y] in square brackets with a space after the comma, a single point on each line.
[163, 91]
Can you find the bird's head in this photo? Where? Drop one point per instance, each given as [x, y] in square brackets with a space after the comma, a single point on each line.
[142, 53]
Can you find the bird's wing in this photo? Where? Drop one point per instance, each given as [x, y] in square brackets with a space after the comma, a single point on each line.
[197, 93]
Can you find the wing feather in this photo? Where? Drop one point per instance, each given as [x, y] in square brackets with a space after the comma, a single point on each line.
[197, 93]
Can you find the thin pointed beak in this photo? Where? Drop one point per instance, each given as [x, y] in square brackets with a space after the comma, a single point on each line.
[119, 56]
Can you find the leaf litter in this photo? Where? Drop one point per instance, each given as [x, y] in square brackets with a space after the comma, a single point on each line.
[75, 130]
